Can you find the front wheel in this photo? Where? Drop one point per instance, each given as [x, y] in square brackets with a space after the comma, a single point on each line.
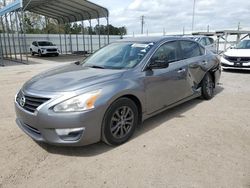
[31, 52]
[120, 122]
[40, 53]
[207, 87]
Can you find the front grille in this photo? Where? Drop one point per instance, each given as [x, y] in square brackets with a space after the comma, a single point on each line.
[30, 103]
[237, 59]
[51, 50]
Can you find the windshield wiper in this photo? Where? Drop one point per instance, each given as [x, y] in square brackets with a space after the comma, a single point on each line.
[96, 67]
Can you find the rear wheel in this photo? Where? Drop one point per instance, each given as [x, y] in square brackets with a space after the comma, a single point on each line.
[120, 122]
[207, 87]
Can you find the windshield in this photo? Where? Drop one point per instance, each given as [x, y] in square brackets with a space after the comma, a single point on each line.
[245, 44]
[45, 43]
[118, 56]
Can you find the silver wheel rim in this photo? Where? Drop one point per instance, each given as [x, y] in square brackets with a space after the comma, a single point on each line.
[121, 122]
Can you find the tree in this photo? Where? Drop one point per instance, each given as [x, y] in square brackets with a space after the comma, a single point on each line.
[37, 24]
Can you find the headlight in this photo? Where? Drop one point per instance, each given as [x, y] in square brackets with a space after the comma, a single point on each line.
[224, 56]
[79, 103]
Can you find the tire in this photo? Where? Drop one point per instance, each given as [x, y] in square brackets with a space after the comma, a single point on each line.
[40, 53]
[57, 55]
[31, 52]
[207, 87]
[119, 122]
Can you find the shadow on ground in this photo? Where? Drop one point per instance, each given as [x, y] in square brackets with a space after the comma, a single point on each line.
[64, 58]
[57, 59]
[148, 125]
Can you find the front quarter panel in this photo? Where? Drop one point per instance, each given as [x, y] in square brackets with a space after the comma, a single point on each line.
[129, 84]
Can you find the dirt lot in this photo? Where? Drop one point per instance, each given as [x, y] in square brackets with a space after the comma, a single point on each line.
[197, 144]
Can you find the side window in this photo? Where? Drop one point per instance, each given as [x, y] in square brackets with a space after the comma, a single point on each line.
[190, 49]
[208, 41]
[203, 42]
[211, 40]
[168, 52]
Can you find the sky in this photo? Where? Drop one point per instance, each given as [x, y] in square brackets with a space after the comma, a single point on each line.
[174, 15]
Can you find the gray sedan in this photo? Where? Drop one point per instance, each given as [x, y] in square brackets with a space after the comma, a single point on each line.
[106, 96]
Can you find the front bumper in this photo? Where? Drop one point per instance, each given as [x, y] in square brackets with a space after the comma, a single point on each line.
[234, 65]
[41, 125]
[45, 52]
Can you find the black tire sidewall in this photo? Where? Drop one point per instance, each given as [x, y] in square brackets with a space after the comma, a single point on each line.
[205, 94]
[106, 133]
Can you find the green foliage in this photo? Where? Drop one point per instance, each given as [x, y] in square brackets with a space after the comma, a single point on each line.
[37, 24]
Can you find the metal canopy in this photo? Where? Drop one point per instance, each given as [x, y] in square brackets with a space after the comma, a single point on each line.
[65, 11]
[13, 25]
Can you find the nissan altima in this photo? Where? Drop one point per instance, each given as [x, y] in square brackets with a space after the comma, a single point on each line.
[106, 96]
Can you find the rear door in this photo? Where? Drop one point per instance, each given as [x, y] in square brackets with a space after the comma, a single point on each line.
[196, 62]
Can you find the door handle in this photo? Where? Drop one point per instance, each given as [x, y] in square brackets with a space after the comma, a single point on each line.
[181, 71]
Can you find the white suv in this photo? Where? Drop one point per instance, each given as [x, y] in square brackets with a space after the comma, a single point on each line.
[43, 48]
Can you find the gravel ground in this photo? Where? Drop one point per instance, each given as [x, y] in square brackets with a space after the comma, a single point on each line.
[197, 144]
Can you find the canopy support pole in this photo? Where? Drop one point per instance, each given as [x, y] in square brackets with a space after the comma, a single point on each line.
[18, 36]
[108, 29]
[83, 37]
[99, 35]
[24, 36]
[91, 38]
[8, 35]
[13, 36]
[4, 38]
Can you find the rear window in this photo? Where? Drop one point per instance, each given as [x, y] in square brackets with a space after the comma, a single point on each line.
[190, 49]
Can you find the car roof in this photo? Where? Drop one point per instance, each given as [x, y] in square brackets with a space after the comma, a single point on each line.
[150, 39]
[41, 41]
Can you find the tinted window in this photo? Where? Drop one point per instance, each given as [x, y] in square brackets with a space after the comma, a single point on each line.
[45, 43]
[190, 49]
[208, 41]
[203, 42]
[168, 52]
[245, 44]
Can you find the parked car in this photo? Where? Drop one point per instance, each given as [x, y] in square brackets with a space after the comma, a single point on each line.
[238, 57]
[107, 95]
[207, 42]
[43, 48]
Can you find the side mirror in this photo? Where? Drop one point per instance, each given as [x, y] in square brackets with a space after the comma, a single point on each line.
[158, 64]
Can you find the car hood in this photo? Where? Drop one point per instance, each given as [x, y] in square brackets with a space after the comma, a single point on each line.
[238, 53]
[70, 77]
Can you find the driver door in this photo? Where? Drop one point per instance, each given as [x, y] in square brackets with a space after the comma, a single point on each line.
[166, 86]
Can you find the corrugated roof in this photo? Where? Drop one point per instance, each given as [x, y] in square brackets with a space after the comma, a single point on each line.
[65, 10]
